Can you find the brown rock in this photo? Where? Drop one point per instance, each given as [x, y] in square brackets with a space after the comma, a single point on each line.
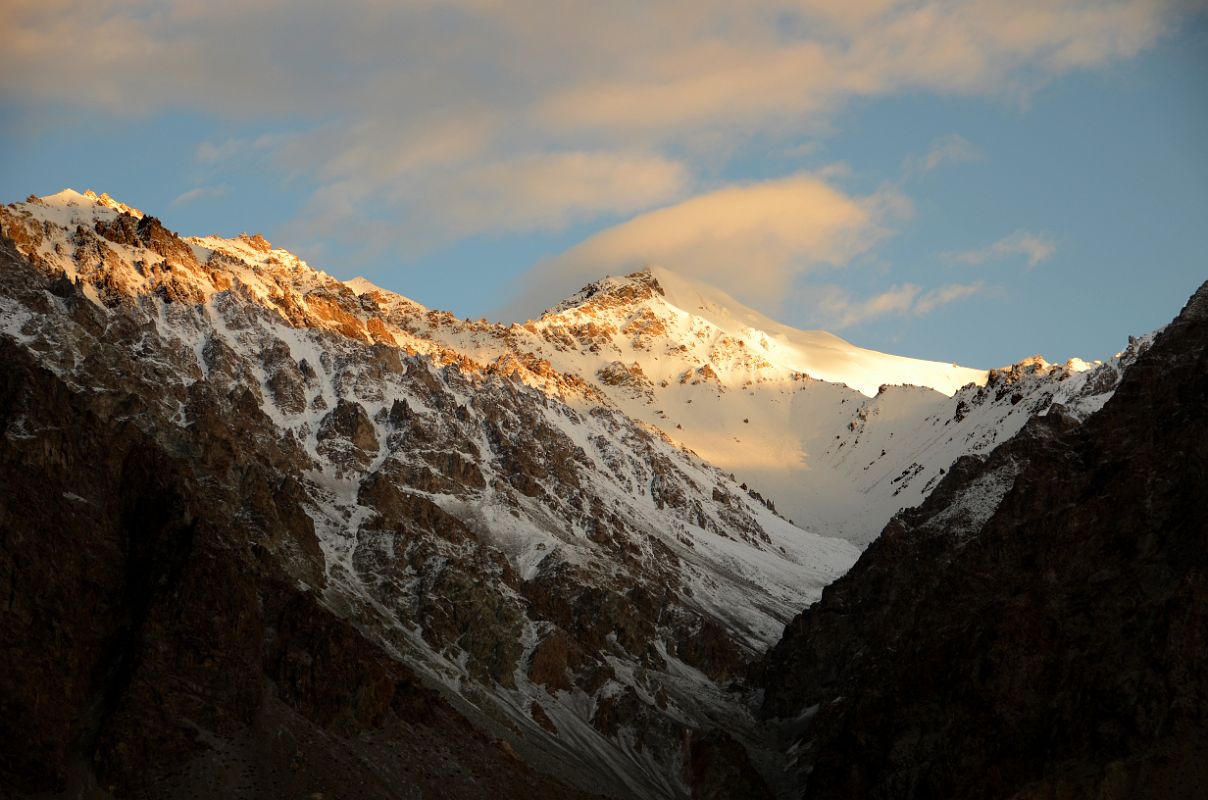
[346, 434]
[549, 665]
[541, 718]
[717, 767]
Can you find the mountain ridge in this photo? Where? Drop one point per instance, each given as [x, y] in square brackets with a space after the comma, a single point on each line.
[567, 581]
[552, 526]
[733, 393]
[1035, 628]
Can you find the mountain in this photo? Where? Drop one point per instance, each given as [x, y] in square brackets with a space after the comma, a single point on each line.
[263, 528]
[241, 496]
[840, 438]
[1035, 628]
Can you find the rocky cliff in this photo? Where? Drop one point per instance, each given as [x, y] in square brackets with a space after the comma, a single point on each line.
[159, 640]
[1036, 628]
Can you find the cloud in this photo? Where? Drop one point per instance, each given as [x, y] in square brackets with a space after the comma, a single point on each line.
[804, 60]
[413, 210]
[801, 149]
[749, 239]
[547, 191]
[211, 153]
[197, 193]
[838, 309]
[388, 101]
[951, 149]
[943, 295]
[1035, 248]
[219, 153]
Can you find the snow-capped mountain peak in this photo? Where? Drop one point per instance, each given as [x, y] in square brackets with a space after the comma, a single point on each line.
[792, 412]
[489, 517]
[69, 206]
[689, 308]
[837, 436]
[580, 529]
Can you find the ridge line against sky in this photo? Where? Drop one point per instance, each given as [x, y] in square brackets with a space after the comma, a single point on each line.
[969, 181]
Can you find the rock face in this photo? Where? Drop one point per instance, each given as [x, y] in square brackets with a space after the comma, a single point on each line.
[1038, 628]
[260, 532]
[158, 641]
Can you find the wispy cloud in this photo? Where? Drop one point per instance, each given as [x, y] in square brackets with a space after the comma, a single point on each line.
[802, 149]
[545, 191]
[1034, 247]
[197, 193]
[943, 295]
[214, 153]
[220, 153]
[950, 149]
[748, 239]
[839, 309]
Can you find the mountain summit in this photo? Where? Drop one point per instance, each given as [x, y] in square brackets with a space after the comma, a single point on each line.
[839, 437]
[742, 345]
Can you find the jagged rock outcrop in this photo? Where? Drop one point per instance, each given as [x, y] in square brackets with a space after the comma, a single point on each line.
[1036, 628]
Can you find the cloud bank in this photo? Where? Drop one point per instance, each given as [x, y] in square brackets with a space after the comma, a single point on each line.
[428, 121]
[382, 101]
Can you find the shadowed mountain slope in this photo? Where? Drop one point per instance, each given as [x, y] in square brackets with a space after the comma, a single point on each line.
[1038, 628]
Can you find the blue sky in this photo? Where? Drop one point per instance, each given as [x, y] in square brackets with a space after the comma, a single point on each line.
[969, 181]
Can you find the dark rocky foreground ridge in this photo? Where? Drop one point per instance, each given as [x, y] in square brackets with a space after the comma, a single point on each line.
[1049, 644]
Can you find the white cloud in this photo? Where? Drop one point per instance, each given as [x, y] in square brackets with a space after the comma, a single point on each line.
[413, 210]
[801, 149]
[211, 153]
[785, 62]
[218, 153]
[197, 193]
[549, 190]
[1034, 247]
[943, 295]
[950, 149]
[838, 309]
[749, 239]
